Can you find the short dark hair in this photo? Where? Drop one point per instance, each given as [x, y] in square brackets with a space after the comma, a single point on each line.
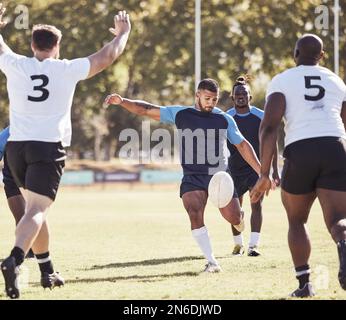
[208, 84]
[45, 37]
[242, 81]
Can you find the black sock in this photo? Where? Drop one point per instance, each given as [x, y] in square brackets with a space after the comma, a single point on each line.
[18, 255]
[44, 262]
[303, 275]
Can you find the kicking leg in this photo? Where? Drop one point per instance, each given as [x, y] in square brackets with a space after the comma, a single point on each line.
[194, 203]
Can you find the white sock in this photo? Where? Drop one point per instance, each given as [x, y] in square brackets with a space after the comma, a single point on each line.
[254, 239]
[202, 238]
[238, 239]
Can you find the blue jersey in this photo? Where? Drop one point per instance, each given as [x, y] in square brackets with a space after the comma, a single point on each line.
[203, 137]
[248, 124]
[4, 135]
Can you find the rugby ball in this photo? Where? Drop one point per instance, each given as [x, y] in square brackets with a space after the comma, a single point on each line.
[221, 189]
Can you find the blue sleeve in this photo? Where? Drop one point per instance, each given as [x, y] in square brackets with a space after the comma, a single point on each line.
[4, 134]
[231, 112]
[167, 114]
[233, 133]
[257, 112]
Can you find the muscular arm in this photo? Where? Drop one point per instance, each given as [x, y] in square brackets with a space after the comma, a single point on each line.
[112, 50]
[249, 155]
[142, 108]
[138, 107]
[343, 113]
[274, 111]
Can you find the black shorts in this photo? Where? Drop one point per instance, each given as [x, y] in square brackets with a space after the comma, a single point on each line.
[10, 186]
[314, 163]
[244, 183]
[36, 166]
[195, 182]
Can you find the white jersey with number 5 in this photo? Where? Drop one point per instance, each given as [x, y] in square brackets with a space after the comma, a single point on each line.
[314, 97]
[40, 94]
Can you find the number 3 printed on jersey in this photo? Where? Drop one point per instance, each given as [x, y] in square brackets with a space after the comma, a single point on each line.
[41, 88]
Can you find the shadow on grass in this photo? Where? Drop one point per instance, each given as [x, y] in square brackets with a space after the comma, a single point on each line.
[152, 262]
[144, 278]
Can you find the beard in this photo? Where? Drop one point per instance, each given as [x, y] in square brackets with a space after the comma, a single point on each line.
[201, 108]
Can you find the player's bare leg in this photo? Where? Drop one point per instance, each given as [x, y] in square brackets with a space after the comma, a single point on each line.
[17, 208]
[30, 225]
[238, 249]
[194, 203]
[256, 225]
[333, 204]
[41, 243]
[297, 209]
[233, 214]
[26, 232]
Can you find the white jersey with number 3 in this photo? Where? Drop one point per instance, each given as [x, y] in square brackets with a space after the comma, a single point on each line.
[41, 94]
[314, 97]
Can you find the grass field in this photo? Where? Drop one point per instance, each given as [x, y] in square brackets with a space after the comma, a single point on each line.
[137, 244]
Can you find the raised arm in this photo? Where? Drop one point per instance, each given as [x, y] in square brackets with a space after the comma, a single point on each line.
[3, 46]
[343, 113]
[248, 153]
[138, 107]
[274, 111]
[112, 50]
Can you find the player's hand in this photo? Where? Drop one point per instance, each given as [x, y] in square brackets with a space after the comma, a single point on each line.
[122, 23]
[262, 186]
[276, 178]
[2, 11]
[114, 99]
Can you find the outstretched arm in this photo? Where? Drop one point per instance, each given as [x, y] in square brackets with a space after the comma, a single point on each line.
[274, 111]
[112, 50]
[248, 153]
[138, 107]
[3, 46]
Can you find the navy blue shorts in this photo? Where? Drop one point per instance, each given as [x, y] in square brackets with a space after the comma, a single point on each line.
[10, 186]
[314, 163]
[197, 182]
[36, 165]
[244, 183]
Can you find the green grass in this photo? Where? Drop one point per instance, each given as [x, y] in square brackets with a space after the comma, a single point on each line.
[137, 244]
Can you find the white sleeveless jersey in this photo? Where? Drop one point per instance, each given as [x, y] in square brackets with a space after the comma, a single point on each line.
[314, 97]
[40, 94]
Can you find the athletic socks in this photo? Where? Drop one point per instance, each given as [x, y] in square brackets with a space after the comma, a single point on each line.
[44, 262]
[303, 275]
[18, 255]
[254, 239]
[238, 239]
[202, 238]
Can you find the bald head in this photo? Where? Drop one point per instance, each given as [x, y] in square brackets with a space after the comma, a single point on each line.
[309, 49]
